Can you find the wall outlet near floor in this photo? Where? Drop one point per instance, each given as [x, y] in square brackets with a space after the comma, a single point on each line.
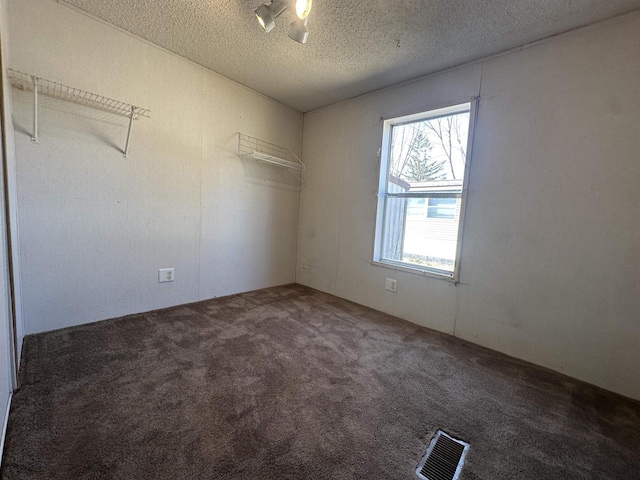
[165, 275]
[304, 263]
[391, 285]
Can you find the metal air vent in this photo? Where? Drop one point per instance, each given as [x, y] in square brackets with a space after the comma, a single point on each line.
[444, 458]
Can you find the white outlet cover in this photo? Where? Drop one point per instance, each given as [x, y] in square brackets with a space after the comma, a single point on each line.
[166, 275]
[391, 285]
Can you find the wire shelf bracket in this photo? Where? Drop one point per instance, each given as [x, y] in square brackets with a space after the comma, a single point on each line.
[268, 152]
[41, 86]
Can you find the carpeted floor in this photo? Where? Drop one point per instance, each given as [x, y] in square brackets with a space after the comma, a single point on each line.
[291, 383]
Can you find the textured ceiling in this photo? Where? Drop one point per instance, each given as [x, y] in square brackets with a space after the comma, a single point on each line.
[354, 46]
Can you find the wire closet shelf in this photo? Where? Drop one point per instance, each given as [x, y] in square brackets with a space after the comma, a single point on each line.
[27, 82]
[267, 152]
[42, 86]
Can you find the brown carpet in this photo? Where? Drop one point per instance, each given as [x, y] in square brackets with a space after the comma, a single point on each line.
[291, 383]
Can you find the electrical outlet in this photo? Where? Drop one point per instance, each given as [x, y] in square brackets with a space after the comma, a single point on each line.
[304, 263]
[391, 285]
[165, 275]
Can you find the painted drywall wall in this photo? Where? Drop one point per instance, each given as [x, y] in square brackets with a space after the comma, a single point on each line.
[96, 227]
[551, 252]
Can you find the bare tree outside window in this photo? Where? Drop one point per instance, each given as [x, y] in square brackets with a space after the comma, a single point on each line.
[412, 159]
[430, 150]
[451, 134]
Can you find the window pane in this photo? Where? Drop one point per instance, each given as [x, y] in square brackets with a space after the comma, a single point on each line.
[442, 208]
[414, 235]
[429, 154]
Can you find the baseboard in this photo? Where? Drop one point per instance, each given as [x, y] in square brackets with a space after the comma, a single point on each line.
[4, 429]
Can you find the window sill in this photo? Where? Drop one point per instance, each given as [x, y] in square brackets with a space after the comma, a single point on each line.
[416, 271]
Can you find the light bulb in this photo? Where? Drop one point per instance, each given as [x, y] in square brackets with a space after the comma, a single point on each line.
[303, 8]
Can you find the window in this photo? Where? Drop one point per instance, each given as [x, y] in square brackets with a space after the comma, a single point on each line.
[442, 208]
[421, 192]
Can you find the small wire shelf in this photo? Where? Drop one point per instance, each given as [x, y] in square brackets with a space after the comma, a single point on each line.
[27, 82]
[267, 152]
[42, 86]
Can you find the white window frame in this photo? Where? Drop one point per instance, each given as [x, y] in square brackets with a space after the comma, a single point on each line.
[383, 173]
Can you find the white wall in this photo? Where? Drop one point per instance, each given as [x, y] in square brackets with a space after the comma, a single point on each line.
[550, 268]
[94, 226]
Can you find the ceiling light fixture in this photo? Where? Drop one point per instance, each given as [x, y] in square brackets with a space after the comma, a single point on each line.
[267, 15]
[298, 31]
